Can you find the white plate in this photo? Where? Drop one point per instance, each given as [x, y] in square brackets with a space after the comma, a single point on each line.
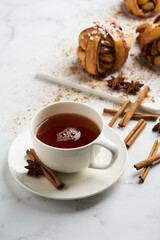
[78, 185]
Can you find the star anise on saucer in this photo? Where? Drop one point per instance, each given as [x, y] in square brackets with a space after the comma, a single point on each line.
[132, 86]
[33, 168]
[156, 128]
[116, 82]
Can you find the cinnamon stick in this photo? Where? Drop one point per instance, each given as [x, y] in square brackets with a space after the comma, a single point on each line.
[134, 107]
[152, 117]
[135, 133]
[119, 112]
[147, 162]
[47, 172]
[152, 153]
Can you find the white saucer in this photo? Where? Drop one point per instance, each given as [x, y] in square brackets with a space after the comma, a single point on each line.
[77, 185]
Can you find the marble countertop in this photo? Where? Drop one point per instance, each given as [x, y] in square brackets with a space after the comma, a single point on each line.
[30, 31]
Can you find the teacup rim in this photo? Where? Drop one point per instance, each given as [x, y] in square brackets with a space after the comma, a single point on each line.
[65, 149]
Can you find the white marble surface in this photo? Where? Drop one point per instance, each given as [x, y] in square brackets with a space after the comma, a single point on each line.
[30, 32]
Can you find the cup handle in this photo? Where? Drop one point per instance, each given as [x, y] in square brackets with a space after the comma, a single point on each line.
[109, 145]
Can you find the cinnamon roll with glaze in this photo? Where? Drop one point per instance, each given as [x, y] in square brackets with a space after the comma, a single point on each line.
[103, 48]
[149, 41]
[143, 8]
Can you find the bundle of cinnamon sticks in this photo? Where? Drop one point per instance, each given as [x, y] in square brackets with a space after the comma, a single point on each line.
[135, 133]
[131, 114]
[147, 163]
[47, 172]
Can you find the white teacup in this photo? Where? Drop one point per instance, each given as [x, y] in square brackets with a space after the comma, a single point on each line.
[70, 160]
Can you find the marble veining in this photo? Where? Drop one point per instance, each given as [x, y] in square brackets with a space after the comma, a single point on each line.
[30, 32]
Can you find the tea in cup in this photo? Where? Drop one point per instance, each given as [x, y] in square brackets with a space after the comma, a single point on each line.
[65, 134]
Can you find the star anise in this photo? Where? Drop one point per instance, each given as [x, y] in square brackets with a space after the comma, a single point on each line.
[33, 168]
[132, 86]
[156, 128]
[116, 82]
